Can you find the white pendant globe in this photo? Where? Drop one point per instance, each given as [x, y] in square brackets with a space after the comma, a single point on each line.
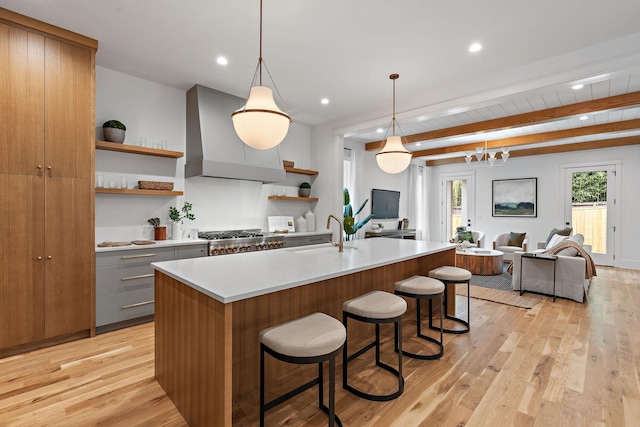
[393, 158]
[261, 124]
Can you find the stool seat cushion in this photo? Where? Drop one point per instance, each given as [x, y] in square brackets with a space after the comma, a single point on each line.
[451, 274]
[314, 335]
[420, 285]
[376, 305]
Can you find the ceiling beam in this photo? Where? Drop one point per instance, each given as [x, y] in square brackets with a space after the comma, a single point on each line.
[564, 148]
[542, 116]
[534, 138]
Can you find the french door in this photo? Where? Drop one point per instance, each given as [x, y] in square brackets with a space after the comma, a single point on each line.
[458, 204]
[590, 208]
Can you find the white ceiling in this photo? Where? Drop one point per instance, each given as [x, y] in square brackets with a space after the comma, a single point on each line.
[533, 51]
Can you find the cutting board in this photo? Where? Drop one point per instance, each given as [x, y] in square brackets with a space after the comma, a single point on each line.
[143, 242]
[113, 244]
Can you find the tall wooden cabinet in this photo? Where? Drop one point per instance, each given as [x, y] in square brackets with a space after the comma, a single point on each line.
[47, 267]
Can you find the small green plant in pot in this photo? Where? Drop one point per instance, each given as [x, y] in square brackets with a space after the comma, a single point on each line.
[177, 216]
[114, 131]
[304, 190]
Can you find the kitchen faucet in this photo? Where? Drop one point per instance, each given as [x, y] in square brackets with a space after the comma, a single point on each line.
[339, 244]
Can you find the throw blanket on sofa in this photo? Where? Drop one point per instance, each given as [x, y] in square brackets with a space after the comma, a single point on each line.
[590, 267]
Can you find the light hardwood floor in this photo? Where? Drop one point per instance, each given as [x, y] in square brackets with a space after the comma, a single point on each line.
[561, 363]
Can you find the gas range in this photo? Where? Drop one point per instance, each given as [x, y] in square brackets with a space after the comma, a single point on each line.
[237, 241]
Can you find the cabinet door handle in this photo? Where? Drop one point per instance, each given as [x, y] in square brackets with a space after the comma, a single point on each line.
[49, 257]
[138, 304]
[137, 256]
[39, 258]
[142, 276]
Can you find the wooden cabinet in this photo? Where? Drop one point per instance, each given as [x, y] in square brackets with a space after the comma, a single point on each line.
[47, 85]
[124, 282]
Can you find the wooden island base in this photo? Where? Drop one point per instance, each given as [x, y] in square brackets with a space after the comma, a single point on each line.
[207, 352]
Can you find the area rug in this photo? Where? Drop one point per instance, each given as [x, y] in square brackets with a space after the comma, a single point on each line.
[499, 281]
[503, 297]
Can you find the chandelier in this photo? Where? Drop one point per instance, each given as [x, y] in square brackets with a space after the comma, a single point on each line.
[393, 157]
[260, 123]
[486, 157]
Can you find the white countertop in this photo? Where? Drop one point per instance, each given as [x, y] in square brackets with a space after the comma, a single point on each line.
[158, 244]
[304, 233]
[239, 276]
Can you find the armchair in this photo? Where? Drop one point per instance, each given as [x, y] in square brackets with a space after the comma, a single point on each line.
[501, 243]
[478, 239]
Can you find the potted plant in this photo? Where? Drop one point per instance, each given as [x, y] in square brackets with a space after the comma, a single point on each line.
[304, 190]
[177, 216]
[114, 131]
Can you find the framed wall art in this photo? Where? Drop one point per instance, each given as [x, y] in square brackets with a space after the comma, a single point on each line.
[515, 197]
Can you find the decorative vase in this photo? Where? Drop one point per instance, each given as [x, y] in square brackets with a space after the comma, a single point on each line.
[176, 231]
[466, 244]
[311, 221]
[304, 192]
[114, 135]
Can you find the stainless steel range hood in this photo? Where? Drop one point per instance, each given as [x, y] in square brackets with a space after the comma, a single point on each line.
[214, 149]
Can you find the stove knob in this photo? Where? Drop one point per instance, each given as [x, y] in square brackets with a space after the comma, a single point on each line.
[214, 251]
[235, 249]
[281, 244]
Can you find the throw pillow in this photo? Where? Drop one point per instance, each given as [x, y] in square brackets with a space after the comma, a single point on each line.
[555, 239]
[563, 232]
[516, 239]
[466, 235]
[578, 238]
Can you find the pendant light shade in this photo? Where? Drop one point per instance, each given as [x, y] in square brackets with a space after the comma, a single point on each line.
[261, 124]
[393, 158]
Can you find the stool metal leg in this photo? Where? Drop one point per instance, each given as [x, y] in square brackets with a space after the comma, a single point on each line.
[463, 322]
[419, 333]
[346, 358]
[319, 380]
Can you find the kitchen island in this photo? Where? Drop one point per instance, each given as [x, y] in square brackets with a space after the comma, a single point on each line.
[209, 312]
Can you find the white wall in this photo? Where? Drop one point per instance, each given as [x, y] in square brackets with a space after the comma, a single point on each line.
[547, 169]
[374, 177]
[157, 112]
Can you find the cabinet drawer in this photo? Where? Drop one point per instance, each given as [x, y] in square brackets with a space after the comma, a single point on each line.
[116, 279]
[124, 306]
[314, 240]
[191, 251]
[134, 256]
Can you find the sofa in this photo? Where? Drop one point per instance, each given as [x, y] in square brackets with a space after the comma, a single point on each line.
[571, 270]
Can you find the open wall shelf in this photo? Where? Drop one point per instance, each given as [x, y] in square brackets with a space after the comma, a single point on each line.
[134, 149]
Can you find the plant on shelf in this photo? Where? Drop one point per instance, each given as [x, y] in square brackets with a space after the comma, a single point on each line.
[114, 131]
[176, 216]
[304, 190]
[350, 226]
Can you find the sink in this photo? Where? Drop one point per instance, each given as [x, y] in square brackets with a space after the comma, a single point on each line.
[319, 250]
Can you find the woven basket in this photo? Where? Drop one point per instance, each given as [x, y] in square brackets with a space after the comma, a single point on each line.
[155, 185]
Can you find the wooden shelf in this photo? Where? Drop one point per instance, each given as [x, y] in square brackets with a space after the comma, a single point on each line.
[134, 149]
[139, 192]
[298, 199]
[300, 171]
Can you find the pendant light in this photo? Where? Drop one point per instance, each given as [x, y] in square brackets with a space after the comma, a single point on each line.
[260, 123]
[393, 158]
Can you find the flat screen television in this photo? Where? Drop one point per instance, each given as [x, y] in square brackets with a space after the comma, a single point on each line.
[385, 204]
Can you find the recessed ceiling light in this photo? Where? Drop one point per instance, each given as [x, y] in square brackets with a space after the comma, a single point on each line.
[584, 117]
[379, 130]
[577, 87]
[222, 60]
[418, 144]
[475, 47]
[324, 101]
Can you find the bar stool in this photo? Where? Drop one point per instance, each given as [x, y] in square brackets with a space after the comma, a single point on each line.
[375, 307]
[315, 338]
[453, 275]
[421, 287]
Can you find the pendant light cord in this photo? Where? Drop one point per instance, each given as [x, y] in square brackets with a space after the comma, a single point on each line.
[260, 57]
[393, 117]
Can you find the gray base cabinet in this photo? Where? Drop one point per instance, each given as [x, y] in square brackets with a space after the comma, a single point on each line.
[124, 283]
[307, 240]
